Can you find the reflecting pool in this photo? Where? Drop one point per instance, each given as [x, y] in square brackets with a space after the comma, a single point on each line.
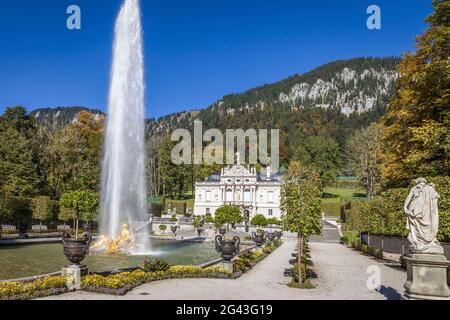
[31, 260]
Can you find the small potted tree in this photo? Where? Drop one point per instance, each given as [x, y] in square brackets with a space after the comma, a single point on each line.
[162, 228]
[228, 215]
[65, 215]
[81, 202]
[197, 223]
[259, 220]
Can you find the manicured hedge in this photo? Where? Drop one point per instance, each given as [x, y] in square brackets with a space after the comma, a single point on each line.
[384, 214]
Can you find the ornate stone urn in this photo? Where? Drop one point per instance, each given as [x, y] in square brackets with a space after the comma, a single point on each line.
[278, 234]
[270, 236]
[259, 238]
[173, 229]
[227, 248]
[76, 249]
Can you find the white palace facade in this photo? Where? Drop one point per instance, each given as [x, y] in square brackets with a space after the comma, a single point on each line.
[239, 185]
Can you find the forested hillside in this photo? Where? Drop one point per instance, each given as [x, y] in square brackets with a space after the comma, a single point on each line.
[58, 118]
[358, 88]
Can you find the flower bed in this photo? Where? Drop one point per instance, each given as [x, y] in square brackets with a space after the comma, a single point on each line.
[33, 289]
[121, 283]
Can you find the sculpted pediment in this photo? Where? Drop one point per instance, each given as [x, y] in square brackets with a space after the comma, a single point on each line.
[237, 170]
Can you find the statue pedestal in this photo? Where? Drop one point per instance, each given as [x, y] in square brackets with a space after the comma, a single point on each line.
[73, 277]
[426, 276]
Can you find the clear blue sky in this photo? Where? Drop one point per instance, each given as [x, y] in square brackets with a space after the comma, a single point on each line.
[196, 50]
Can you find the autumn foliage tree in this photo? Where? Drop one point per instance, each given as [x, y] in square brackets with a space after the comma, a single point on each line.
[417, 124]
[363, 155]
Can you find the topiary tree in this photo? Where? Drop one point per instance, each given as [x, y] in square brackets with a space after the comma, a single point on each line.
[82, 202]
[273, 220]
[228, 215]
[162, 228]
[259, 220]
[197, 223]
[66, 214]
[42, 208]
[300, 204]
[209, 218]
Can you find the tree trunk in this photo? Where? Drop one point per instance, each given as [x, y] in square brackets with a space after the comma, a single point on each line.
[299, 258]
[76, 229]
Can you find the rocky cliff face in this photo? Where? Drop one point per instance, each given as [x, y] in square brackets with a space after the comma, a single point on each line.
[357, 85]
[60, 117]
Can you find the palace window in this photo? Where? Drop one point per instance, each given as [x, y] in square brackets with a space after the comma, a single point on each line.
[270, 196]
[229, 195]
[247, 195]
[208, 210]
[270, 212]
[208, 195]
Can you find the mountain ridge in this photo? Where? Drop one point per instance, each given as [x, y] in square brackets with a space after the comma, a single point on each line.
[351, 87]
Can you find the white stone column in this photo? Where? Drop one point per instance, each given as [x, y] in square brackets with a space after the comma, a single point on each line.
[234, 194]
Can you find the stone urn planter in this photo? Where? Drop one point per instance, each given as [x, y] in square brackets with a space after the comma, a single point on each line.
[227, 248]
[270, 236]
[173, 229]
[259, 238]
[76, 249]
[278, 234]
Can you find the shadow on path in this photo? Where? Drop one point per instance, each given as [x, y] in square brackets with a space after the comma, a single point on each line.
[389, 293]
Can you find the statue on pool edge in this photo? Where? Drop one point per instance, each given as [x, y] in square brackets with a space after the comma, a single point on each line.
[421, 208]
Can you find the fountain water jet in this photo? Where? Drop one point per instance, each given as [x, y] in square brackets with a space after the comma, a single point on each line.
[123, 194]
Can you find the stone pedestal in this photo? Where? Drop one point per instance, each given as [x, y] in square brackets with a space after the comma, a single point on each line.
[426, 276]
[227, 265]
[73, 276]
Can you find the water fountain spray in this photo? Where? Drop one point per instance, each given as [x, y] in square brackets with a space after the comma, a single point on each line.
[123, 192]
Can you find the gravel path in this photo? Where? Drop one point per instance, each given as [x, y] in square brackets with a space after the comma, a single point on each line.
[341, 274]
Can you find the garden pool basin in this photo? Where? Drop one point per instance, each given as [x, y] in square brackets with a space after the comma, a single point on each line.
[31, 260]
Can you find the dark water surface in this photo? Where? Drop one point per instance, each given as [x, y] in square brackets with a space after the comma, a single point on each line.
[31, 260]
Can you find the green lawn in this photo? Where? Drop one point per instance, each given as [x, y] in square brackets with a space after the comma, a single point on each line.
[333, 197]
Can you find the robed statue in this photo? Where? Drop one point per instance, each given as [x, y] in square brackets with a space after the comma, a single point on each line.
[421, 208]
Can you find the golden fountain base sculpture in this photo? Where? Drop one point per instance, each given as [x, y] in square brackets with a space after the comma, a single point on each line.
[111, 246]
